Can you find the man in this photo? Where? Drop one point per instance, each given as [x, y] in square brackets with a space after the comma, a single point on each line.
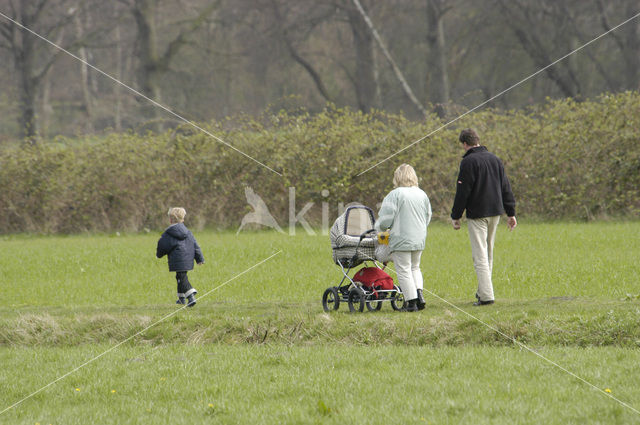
[483, 190]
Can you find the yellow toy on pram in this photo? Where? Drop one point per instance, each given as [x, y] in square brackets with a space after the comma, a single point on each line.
[383, 252]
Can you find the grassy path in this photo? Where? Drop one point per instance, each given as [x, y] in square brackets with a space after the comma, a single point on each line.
[261, 350]
[576, 322]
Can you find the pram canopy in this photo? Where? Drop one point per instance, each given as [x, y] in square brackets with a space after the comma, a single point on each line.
[345, 236]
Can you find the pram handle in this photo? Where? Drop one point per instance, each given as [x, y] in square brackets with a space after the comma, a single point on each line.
[364, 235]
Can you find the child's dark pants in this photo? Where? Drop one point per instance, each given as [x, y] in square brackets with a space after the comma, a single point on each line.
[184, 287]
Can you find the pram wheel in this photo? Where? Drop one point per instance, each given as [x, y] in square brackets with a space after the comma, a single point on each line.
[397, 302]
[356, 300]
[331, 299]
[374, 304]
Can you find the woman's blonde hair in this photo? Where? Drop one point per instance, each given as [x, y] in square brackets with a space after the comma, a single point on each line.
[405, 176]
[176, 214]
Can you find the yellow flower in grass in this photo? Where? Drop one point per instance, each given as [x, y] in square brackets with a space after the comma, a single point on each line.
[607, 390]
[113, 391]
[77, 389]
[210, 404]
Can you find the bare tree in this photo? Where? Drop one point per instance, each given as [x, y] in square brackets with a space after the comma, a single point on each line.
[627, 40]
[154, 59]
[541, 27]
[299, 26]
[214, 58]
[577, 23]
[32, 58]
[368, 25]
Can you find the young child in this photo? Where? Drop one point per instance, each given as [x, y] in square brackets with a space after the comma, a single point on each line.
[178, 243]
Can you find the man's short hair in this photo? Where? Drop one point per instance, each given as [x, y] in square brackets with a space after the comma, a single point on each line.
[469, 136]
[176, 214]
[405, 176]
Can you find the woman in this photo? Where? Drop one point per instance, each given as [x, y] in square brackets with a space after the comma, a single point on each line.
[406, 211]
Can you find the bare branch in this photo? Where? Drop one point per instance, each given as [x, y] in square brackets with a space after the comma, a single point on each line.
[14, 12]
[601, 70]
[394, 66]
[5, 31]
[605, 24]
[39, 8]
[66, 20]
[533, 46]
[283, 35]
[37, 77]
[175, 45]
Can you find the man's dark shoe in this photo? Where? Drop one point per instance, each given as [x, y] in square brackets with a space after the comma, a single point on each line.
[420, 302]
[191, 300]
[479, 302]
[411, 306]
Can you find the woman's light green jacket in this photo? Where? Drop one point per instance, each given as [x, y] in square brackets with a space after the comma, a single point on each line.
[406, 211]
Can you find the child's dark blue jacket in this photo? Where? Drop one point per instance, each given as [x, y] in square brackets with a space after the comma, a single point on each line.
[179, 244]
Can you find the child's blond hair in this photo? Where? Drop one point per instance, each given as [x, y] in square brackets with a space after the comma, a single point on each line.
[176, 214]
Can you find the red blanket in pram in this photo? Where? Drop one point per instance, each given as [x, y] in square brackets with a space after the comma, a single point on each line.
[374, 278]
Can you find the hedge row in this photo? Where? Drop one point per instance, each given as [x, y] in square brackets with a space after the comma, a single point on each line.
[565, 160]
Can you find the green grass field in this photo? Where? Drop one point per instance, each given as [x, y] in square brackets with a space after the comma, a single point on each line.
[261, 350]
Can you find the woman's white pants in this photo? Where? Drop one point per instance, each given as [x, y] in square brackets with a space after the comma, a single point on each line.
[407, 265]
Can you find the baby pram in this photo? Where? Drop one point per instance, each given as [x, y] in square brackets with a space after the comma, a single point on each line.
[353, 240]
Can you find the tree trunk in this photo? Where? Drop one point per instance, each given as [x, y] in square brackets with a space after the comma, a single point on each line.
[437, 74]
[23, 57]
[632, 50]
[87, 102]
[364, 81]
[117, 87]
[148, 56]
[46, 109]
[377, 101]
[28, 108]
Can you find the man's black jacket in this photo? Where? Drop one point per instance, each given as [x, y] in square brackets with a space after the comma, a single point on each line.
[178, 242]
[483, 188]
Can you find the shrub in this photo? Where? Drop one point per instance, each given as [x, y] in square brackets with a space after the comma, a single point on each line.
[565, 160]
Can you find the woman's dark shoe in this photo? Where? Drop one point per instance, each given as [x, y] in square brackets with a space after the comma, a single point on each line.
[191, 300]
[181, 300]
[479, 303]
[420, 303]
[411, 306]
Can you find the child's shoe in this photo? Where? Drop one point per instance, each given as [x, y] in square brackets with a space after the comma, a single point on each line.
[181, 300]
[191, 300]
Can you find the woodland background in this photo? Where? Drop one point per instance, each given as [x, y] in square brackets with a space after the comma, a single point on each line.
[212, 59]
[305, 87]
